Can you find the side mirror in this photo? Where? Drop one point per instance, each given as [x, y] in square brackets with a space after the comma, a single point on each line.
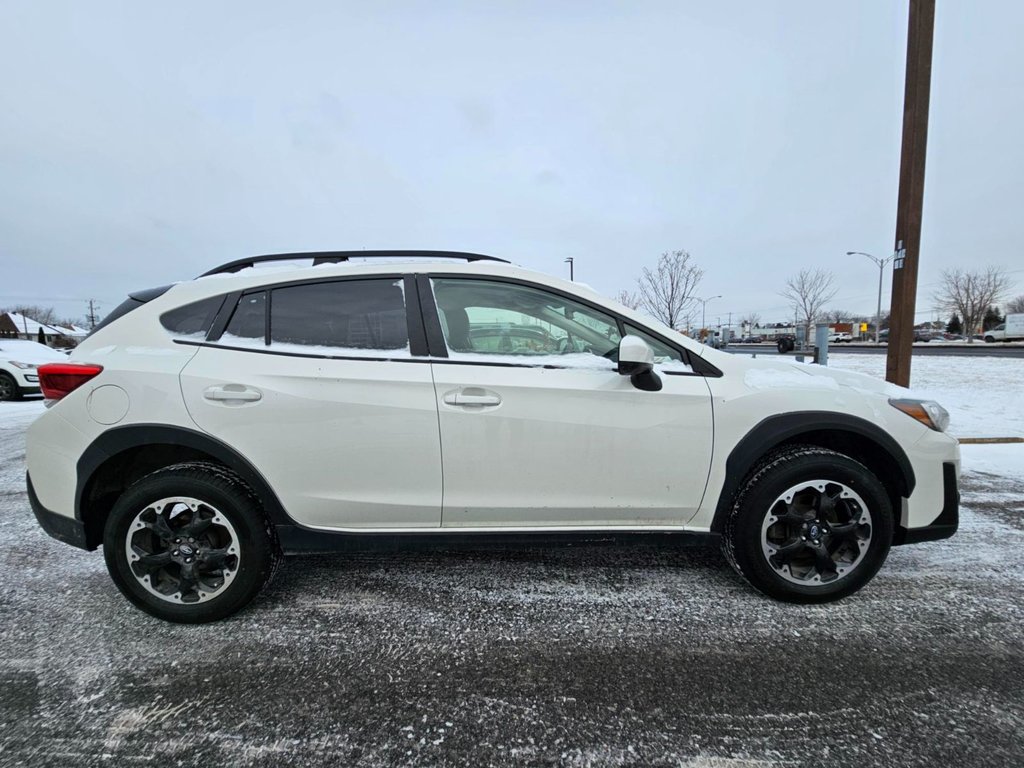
[636, 360]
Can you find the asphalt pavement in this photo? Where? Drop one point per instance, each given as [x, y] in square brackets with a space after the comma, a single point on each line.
[603, 655]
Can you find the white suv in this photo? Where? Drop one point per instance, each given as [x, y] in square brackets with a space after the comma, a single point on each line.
[19, 360]
[206, 428]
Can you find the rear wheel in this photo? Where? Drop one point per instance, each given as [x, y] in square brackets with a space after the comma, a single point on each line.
[810, 526]
[189, 544]
[9, 389]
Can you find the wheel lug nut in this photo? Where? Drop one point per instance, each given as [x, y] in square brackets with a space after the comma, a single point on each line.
[175, 553]
[188, 559]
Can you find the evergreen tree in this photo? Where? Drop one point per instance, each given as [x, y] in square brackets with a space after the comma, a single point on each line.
[991, 319]
[954, 325]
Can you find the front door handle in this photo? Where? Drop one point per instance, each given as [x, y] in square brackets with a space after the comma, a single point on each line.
[233, 392]
[463, 398]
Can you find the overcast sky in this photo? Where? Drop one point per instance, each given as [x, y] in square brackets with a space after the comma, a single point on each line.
[143, 143]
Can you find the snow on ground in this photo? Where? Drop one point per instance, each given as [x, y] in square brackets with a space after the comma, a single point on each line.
[984, 397]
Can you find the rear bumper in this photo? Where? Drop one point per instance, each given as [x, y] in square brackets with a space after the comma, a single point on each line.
[946, 523]
[62, 528]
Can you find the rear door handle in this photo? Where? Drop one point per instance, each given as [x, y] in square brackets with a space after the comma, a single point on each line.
[461, 398]
[233, 392]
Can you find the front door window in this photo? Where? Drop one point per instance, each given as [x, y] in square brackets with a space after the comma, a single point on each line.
[481, 317]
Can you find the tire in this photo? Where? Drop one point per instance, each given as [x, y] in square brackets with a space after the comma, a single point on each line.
[9, 389]
[783, 346]
[771, 556]
[990, 340]
[206, 512]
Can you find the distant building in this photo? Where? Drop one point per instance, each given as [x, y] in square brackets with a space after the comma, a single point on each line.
[14, 325]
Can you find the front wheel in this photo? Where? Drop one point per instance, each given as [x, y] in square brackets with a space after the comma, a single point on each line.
[189, 544]
[809, 526]
[9, 389]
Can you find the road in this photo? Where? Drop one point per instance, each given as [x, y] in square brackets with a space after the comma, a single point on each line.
[589, 655]
[924, 348]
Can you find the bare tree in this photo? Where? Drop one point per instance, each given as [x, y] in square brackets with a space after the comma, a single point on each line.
[44, 315]
[837, 316]
[1014, 306]
[628, 299]
[808, 292]
[666, 293]
[970, 294]
[751, 319]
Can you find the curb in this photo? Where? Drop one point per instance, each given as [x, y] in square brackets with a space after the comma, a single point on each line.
[989, 440]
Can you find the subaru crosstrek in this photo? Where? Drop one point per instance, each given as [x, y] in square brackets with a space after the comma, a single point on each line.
[207, 428]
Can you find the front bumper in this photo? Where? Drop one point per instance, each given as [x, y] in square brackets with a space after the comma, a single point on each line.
[27, 381]
[66, 529]
[946, 524]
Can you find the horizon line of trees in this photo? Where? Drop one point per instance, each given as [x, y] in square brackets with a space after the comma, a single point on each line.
[668, 293]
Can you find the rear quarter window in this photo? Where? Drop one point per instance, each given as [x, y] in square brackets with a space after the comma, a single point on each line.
[192, 319]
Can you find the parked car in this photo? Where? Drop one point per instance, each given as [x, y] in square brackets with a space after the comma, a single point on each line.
[752, 340]
[839, 338]
[18, 362]
[208, 427]
[920, 334]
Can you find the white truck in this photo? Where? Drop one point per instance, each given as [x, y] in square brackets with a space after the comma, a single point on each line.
[1011, 330]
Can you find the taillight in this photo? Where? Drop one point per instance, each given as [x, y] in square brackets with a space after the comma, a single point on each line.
[59, 379]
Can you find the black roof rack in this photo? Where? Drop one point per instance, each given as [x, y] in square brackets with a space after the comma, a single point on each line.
[334, 257]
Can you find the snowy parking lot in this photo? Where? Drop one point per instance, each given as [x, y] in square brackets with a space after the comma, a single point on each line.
[594, 654]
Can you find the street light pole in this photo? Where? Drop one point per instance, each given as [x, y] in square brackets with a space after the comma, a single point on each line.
[703, 309]
[881, 269]
[569, 261]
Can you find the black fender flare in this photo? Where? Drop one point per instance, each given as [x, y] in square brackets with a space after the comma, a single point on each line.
[120, 439]
[786, 427]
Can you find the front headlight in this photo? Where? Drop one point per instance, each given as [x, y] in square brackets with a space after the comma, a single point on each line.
[928, 412]
[23, 366]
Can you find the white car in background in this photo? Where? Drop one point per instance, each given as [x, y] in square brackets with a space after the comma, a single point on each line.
[208, 427]
[19, 360]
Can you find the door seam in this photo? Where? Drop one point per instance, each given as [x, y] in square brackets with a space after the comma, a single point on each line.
[440, 440]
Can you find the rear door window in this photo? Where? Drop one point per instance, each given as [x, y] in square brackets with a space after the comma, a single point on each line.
[366, 316]
[334, 318]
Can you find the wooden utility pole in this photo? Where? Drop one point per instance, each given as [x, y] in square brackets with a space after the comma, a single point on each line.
[911, 196]
[92, 314]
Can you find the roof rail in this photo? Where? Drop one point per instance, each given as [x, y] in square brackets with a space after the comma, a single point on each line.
[334, 257]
